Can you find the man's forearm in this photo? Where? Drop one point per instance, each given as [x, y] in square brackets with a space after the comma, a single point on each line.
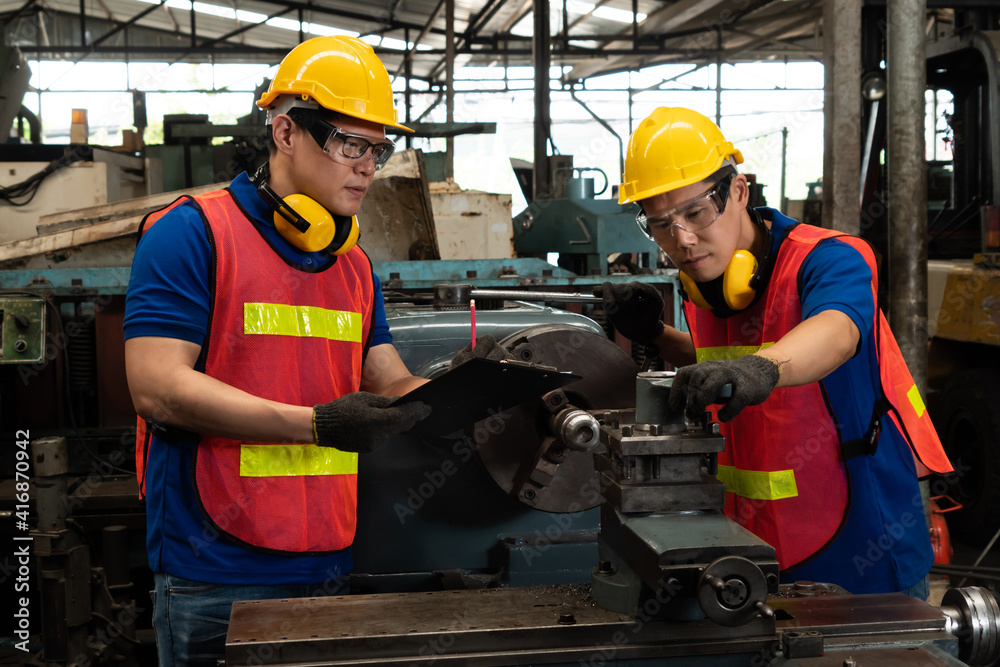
[814, 348]
[404, 385]
[199, 403]
[166, 388]
[676, 347]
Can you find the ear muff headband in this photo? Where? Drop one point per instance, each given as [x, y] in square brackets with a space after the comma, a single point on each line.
[740, 284]
[303, 222]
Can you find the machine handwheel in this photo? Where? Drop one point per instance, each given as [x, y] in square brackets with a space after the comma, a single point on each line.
[732, 590]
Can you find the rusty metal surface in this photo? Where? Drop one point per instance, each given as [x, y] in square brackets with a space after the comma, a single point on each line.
[924, 656]
[857, 614]
[500, 626]
[561, 624]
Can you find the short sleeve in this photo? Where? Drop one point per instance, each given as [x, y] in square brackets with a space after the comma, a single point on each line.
[168, 292]
[835, 276]
[380, 326]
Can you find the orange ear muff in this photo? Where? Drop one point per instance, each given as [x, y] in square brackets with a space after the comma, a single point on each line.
[692, 291]
[737, 281]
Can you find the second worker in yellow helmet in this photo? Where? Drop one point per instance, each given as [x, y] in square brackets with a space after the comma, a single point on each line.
[826, 433]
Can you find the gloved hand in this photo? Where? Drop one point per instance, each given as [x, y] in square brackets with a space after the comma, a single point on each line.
[635, 309]
[359, 422]
[697, 386]
[487, 347]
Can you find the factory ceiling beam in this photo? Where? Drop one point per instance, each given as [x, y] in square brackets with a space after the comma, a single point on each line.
[666, 19]
[394, 7]
[516, 17]
[7, 18]
[783, 31]
[420, 37]
[475, 24]
[388, 24]
[777, 40]
[582, 55]
[238, 31]
[631, 60]
[107, 12]
[122, 26]
[237, 49]
[584, 17]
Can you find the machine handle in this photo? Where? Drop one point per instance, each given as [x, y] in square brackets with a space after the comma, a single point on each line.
[583, 169]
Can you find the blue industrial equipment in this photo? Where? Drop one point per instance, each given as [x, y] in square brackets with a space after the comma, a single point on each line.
[582, 229]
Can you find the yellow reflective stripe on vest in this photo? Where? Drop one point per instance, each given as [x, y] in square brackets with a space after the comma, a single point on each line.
[278, 319]
[759, 484]
[295, 461]
[916, 401]
[727, 352]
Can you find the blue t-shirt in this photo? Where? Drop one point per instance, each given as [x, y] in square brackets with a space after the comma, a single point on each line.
[169, 296]
[884, 543]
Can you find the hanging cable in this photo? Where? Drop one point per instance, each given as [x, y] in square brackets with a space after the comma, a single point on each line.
[26, 190]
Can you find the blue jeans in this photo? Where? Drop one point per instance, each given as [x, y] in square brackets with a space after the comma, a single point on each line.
[191, 618]
[919, 590]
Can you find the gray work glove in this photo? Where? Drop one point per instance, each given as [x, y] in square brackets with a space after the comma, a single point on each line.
[359, 422]
[487, 347]
[697, 386]
[635, 309]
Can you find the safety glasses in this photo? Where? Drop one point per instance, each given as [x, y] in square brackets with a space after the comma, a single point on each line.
[334, 141]
[693, 215]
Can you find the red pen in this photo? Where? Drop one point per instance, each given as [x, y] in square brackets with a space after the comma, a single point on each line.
[472, 311]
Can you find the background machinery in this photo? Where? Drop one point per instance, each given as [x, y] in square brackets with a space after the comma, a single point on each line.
[963, 244]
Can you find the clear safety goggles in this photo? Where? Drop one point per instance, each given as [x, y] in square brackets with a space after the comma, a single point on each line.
[333, 140]
[693, 215]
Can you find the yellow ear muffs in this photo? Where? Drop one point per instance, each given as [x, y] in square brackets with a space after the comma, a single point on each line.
[692, 291]
[737, 288]
[354, 231]
[323, 231]
[737, 281]
[736, 284]
[320, 230]
[303, 222]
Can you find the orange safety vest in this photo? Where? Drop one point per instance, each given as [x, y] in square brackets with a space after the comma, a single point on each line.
[783, 466]
[290, 335]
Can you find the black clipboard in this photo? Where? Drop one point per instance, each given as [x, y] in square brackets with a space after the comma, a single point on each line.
[478, 389]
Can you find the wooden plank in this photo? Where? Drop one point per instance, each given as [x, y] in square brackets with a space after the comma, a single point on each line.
[83, 217]
[72, 238]
[402, 229]
[396, 217]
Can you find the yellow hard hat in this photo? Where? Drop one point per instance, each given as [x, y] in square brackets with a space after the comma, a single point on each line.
[340, 73]
[671, 148]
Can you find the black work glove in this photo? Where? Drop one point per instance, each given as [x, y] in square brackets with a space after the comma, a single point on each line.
[359, 422]
[697, 386]
[635, 309]
[487, 347]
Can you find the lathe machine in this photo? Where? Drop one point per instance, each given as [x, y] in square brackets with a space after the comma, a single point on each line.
[673, 581]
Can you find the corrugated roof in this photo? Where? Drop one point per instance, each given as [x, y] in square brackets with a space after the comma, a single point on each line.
[487, 31]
